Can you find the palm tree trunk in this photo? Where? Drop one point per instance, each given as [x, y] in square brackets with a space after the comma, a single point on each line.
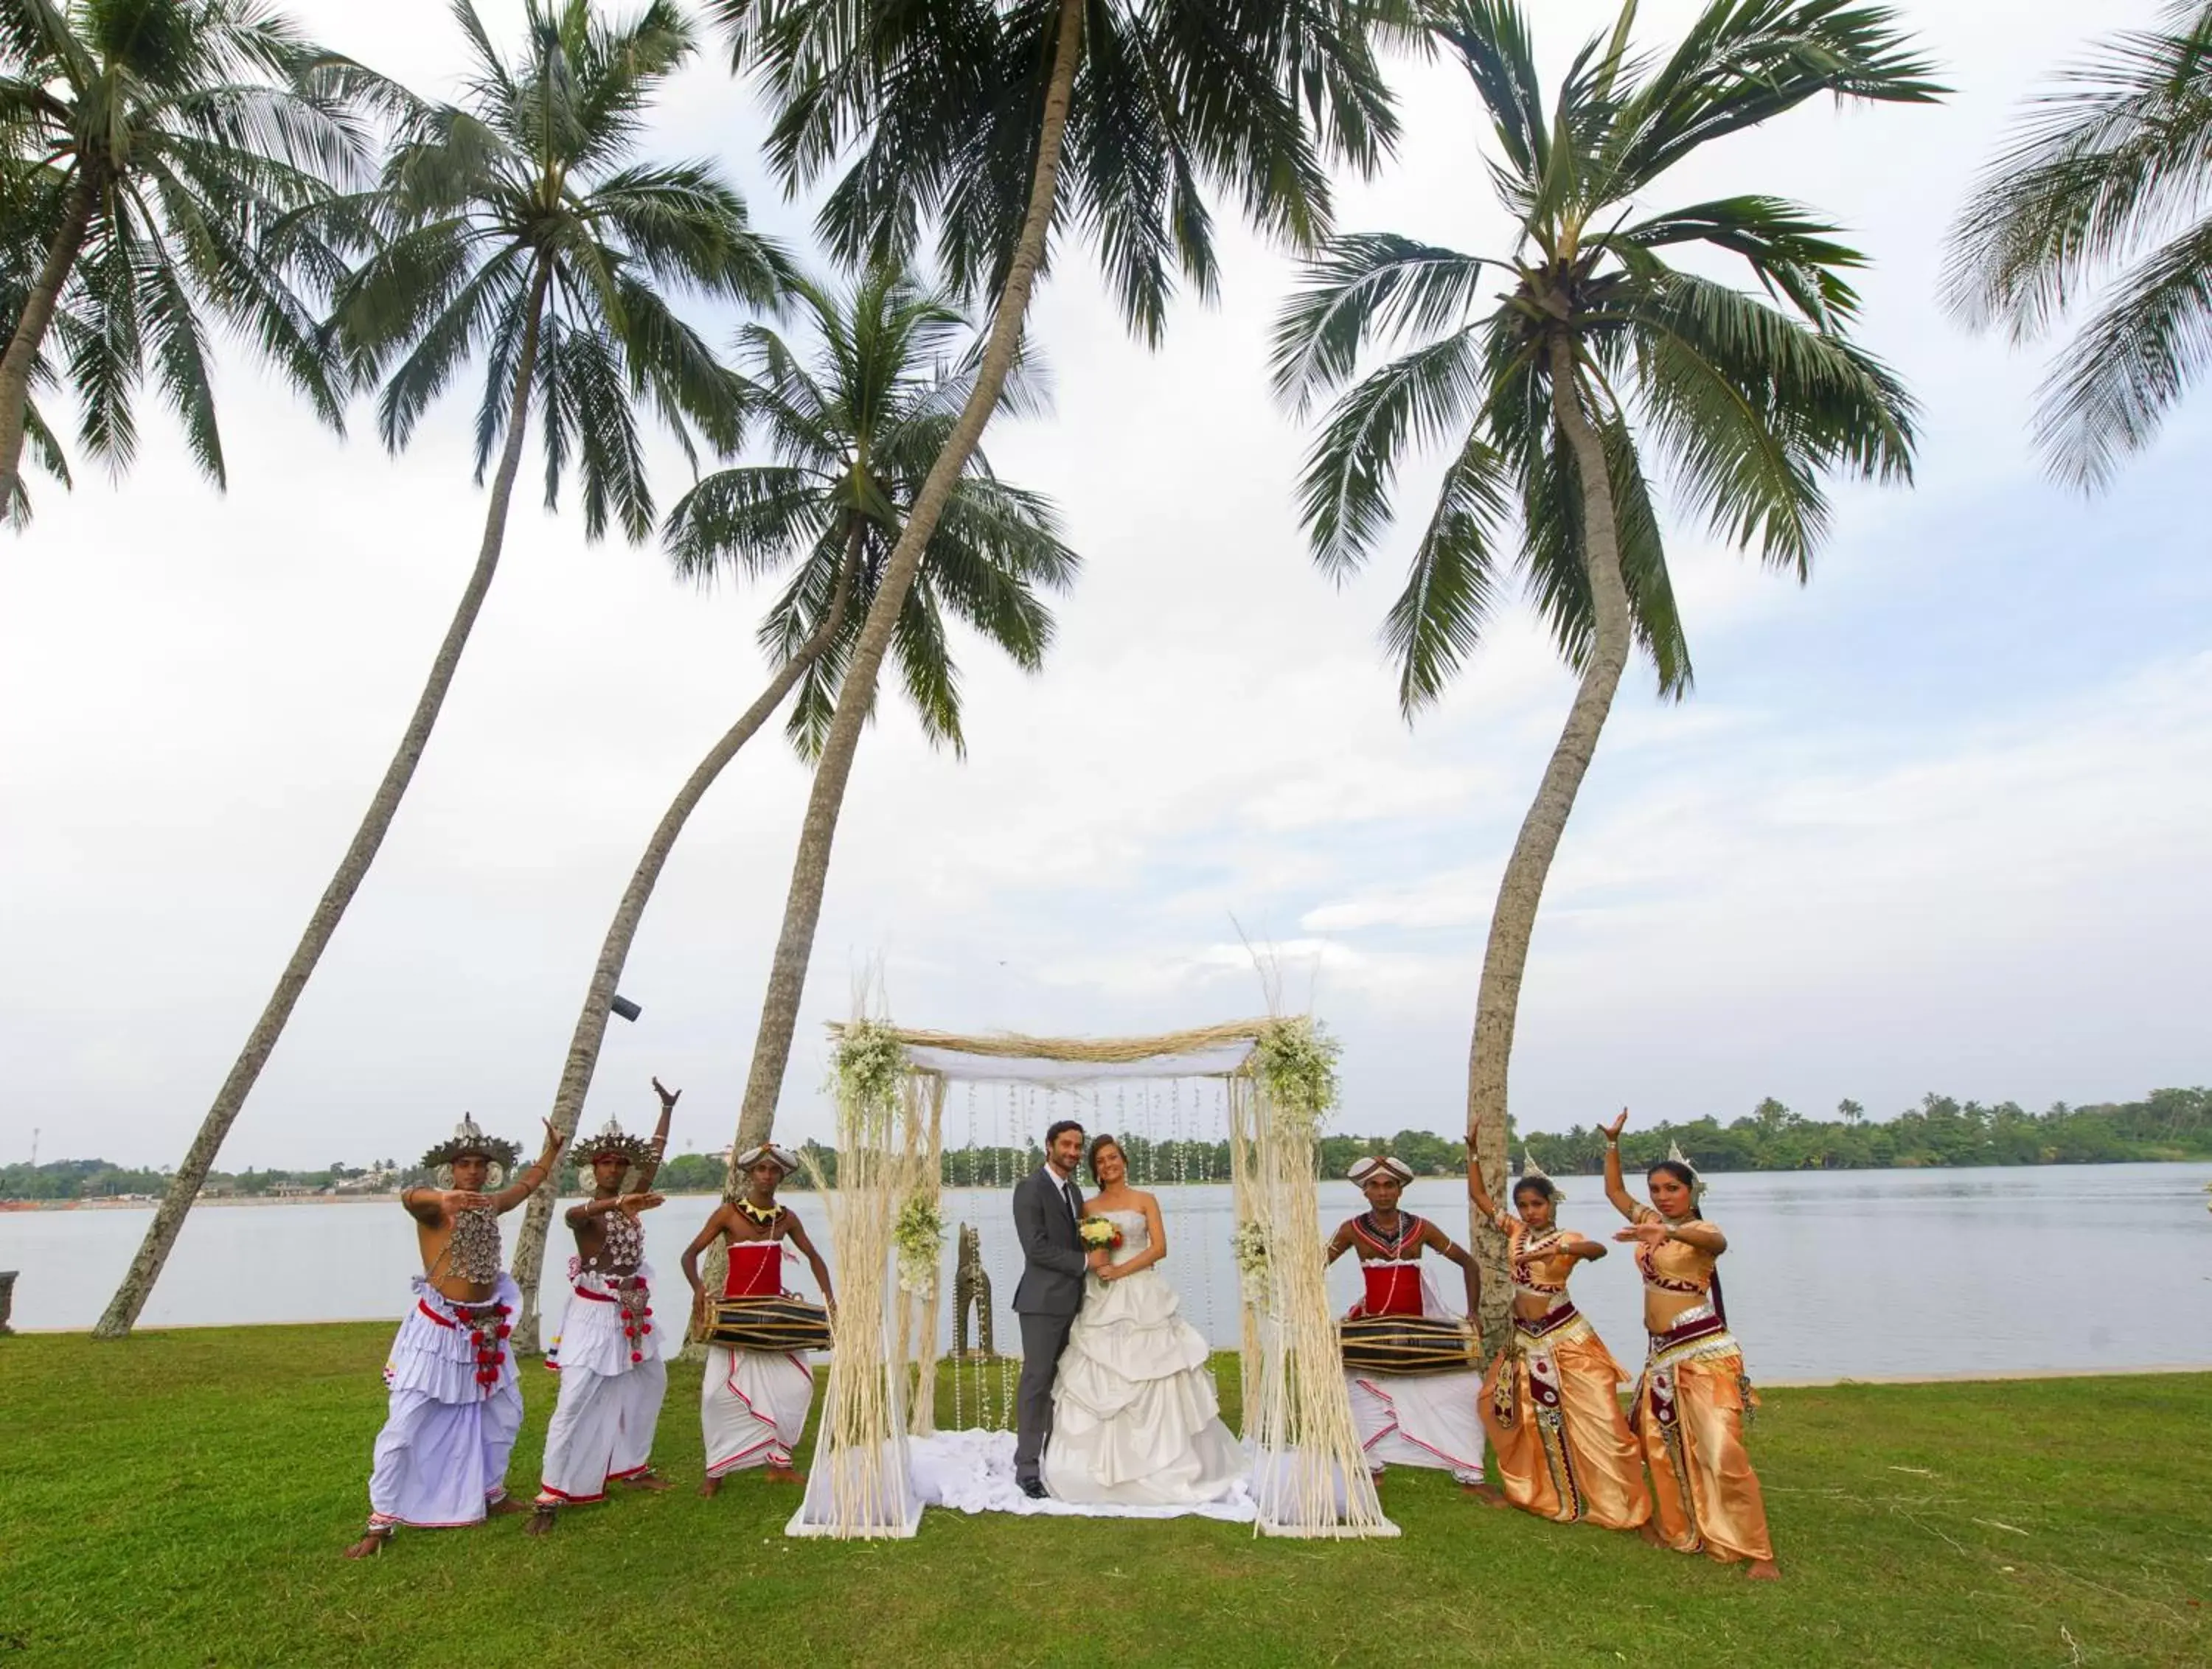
[592, 1023]
[786, 980]
[146, 1268]
[22, 354]
[1521, 888]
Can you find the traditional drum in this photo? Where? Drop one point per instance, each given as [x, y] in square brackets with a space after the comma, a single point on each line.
[769, 1324]
[1405, 1345]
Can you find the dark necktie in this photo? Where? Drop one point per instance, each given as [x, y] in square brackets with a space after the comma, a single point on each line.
[1074, 1199]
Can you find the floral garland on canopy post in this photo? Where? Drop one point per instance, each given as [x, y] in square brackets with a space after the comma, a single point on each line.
[1311, 1476]
[861, 1484]
[918, 1246]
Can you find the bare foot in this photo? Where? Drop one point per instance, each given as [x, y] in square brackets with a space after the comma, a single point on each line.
[1484, 1494]
[505, 1507]
[1763, 1570]
[710, 1488]
[369, 1546]
[650, 1481]
[785, 1475]
[1649, 1534]
[541, 1522]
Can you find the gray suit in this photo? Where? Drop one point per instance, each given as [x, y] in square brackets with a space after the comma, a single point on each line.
[1046, 1300]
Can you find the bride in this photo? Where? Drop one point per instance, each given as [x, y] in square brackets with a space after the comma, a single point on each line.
[1135, 1422]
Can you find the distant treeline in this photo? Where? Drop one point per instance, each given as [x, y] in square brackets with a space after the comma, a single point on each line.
[98, 1178]
[2165, 1125]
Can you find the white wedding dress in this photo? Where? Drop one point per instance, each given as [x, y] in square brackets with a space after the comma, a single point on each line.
[1135, 1422]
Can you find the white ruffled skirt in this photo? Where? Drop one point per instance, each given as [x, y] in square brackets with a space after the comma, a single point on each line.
[1135, 1420]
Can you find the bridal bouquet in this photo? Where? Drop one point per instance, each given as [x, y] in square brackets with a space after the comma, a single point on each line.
[1099, 1235]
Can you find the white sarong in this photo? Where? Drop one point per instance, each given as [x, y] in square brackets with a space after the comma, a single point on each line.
[1420, 1419]
[441, 1458]
[612, 1380]
[752, 1407]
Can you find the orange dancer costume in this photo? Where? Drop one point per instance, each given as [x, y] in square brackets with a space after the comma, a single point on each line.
[1551, 1400]
[1691, 1400]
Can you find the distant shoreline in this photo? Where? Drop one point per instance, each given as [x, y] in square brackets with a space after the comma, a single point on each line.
[393, 1198]
[205, 1202]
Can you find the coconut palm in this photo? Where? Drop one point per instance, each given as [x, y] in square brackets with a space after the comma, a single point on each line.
[2102, 192]
[516, 229]
[166, 145]
[994, 123]
[29, 212]
[850, 429]
[1564, 372]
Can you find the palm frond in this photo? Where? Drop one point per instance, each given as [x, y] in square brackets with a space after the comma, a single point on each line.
[2112, 386]
[2107, 161]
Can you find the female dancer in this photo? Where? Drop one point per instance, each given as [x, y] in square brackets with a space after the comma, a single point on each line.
[1690, 1400]
[1550, 1402]
[1134, 1420]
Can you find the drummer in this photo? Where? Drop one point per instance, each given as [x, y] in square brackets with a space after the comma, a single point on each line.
[1431, 1420]
[753, 1404]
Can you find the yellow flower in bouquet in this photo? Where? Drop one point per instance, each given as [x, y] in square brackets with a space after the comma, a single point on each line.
[1099, 1235]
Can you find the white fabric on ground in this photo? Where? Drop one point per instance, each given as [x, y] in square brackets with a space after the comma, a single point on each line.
[441, 1457]
[1431, 1420]
[1135, 1420]
[752, 1407]
[973, 1472]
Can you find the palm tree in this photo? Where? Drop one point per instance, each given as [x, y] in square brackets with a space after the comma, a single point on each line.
[516, 226]
[1595, 360]
[166, 146]
[968, 116]
[29, 215]
[851, 430]
[2103, 188]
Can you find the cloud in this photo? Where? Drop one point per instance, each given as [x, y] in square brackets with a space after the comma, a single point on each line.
[1933, 820]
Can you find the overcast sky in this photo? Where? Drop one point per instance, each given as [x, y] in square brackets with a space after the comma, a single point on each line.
[1935, 821]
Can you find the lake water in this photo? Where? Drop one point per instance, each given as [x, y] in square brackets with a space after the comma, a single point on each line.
[1829, 1275]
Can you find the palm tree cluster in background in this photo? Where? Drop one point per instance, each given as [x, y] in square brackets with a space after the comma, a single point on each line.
[175, 165]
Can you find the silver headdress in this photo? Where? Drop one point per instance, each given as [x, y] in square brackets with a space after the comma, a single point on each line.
[467, 1140]
[1696, 1180]
[615, 1141]
[1533, 1172]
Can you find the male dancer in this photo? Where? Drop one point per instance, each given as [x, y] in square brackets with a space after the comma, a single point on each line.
[608, 1359]
[1047, 1205]
[441, 1461]
[753, 1404]
[1413, 1419]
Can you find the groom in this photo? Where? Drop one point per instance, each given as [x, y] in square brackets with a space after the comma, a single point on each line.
[1047, 1207]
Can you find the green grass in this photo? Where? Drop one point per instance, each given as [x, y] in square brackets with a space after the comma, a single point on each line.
[182, 1499]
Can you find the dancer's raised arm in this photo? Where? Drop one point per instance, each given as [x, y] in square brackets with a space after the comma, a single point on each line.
[1476, 1192]
[1615, 1189]
[650, 1168]
[535, 1173]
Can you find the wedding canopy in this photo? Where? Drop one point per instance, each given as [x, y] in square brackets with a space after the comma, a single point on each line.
[1275, 1081]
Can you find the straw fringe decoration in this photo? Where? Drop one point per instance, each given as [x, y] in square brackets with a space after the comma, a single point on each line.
[861, 1484]
[1310, 1474]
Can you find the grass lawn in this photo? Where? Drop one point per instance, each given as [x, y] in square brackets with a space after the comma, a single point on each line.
[182, 1498]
